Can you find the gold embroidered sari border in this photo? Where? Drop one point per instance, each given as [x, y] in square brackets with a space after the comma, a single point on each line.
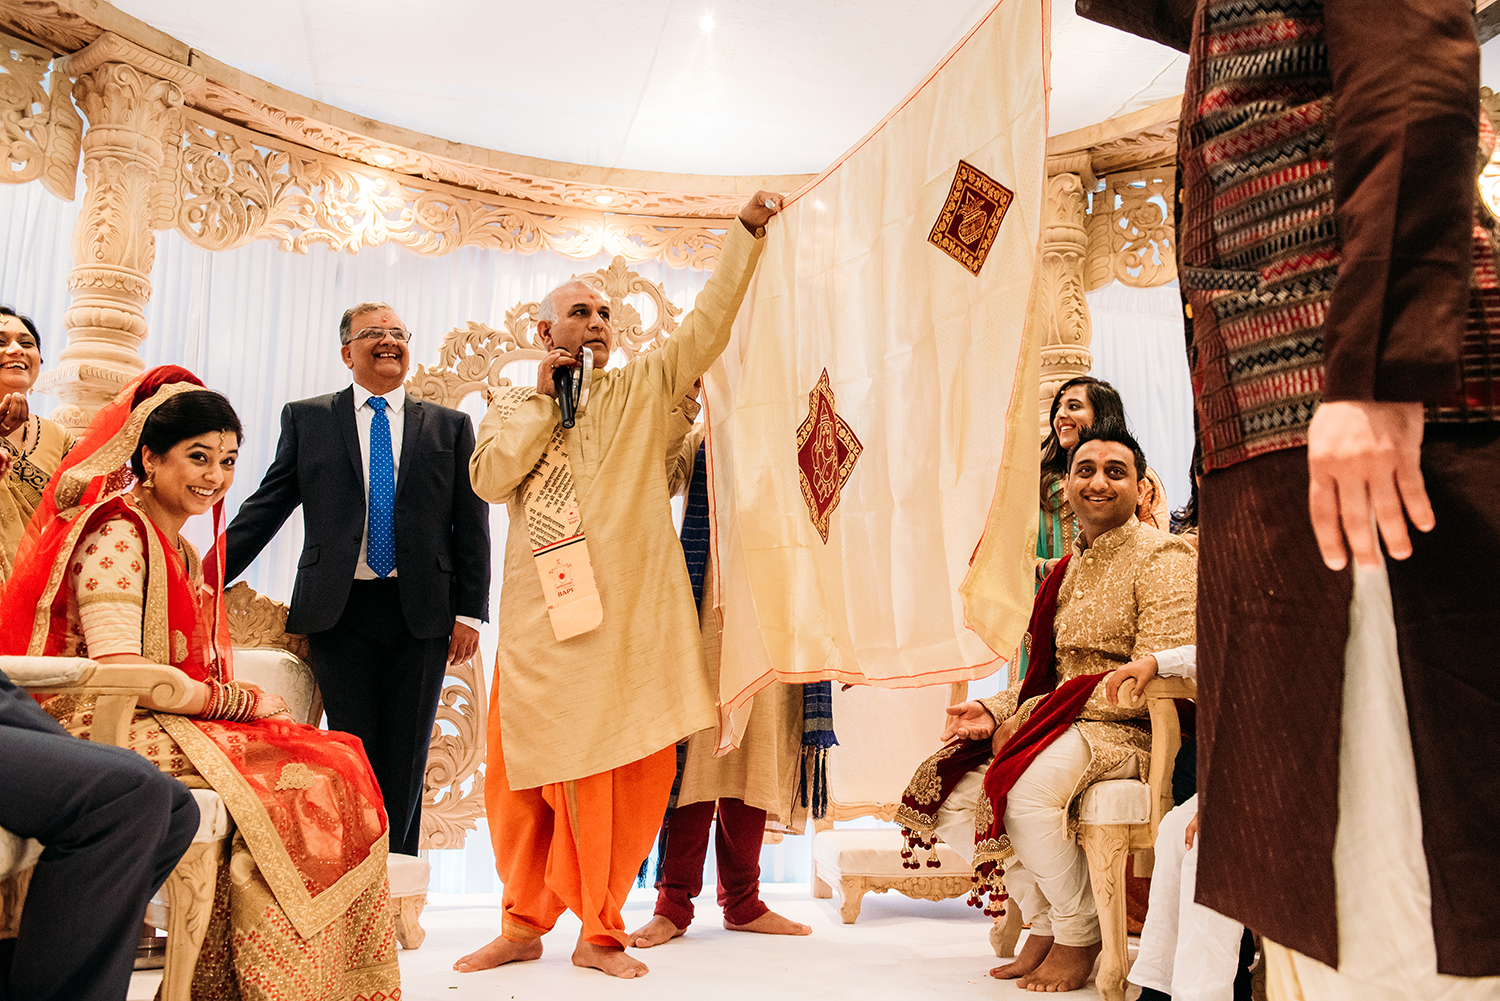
[109, 598]
[41, 620]
[371, 982]
[156, 643]
[308, 914]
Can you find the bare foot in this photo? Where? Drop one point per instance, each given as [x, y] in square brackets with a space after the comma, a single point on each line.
[499, 952]
[657, 931]
[610, 960]
[1066, 968]
[771, 923]
[1031, 956]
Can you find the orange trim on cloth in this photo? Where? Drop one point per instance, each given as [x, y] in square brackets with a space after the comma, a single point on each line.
[573, 845]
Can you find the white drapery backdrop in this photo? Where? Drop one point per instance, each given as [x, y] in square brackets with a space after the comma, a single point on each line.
[261, 326]
[1139, 349]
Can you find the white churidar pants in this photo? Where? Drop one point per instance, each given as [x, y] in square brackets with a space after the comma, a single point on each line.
[1386, 950]
[1049, 875]
[1187, 950]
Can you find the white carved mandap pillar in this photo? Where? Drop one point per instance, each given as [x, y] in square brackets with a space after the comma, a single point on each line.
[133, 124]
[1060, 313]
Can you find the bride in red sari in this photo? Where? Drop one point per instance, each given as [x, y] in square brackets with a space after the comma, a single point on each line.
[302, 906]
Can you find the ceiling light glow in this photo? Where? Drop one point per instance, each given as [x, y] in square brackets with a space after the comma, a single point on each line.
[384, 159]
[707, 24]
[604, 199]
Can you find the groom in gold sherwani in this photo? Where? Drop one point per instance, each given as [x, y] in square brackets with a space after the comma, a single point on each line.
[1128, 591]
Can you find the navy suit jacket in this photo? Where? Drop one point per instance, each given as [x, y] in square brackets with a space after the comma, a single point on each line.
[442, 528]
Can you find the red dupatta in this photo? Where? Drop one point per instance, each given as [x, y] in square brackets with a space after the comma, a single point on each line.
[937, 777]
[1046, 711]
[304, 799]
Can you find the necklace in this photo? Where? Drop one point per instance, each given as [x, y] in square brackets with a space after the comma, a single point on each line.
[27, 436]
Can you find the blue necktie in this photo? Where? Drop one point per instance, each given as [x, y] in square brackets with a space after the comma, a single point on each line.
[381, 554]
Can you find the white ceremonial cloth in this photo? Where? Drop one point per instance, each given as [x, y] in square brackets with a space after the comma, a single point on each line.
[930, 368]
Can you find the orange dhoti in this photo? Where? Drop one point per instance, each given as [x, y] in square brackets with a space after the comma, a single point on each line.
[574, 845]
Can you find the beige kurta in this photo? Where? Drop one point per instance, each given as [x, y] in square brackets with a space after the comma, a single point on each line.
[763, 771]
[21, 490]
[1132, 593]
[638, 682]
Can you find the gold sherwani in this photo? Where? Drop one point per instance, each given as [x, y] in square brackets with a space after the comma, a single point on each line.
[637, 683]
[1131, 593]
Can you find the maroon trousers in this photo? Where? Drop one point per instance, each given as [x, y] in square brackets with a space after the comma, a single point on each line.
[737, 847]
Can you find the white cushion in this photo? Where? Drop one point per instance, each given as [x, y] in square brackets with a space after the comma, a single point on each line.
[877, 852]
[280, 672]
[213, 816]
[17, 853]
[409, 874]
[1116, 801]
[45, 672]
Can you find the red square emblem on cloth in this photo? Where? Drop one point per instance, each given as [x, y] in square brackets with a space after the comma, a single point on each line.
[826, 453]
[970, 221]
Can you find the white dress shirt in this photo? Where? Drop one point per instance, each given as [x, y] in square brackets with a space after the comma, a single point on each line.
[395, 412]
[1178, 662]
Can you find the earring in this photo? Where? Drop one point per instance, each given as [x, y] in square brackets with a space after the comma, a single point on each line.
[149, 482]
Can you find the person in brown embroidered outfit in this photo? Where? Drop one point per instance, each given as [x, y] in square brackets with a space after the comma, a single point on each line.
[1336, 282]
[1126, 592]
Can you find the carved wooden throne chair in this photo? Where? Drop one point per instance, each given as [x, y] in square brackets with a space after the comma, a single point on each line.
[1118, 817]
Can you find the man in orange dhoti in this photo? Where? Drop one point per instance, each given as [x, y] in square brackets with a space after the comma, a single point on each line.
[600, 668]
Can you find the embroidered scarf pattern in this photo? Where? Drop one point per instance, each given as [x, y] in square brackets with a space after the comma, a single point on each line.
[555, 530]
[937, 777]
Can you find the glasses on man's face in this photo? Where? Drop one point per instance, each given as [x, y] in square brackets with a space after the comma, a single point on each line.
[379, 333]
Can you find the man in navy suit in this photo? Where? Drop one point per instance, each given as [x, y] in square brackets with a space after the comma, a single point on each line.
[394, 576]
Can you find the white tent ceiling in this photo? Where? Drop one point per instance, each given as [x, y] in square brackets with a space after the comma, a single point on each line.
[690, 86]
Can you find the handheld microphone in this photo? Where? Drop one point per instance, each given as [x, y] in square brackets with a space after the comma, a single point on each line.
[562, 382]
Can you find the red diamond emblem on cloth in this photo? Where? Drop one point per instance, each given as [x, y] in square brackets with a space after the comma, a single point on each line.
[970, 221]
[826, 453]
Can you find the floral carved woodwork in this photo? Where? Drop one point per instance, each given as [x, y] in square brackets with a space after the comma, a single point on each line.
[231, 105]
[1060, 317]
[473, 359]
[186, 143]
[1131, 237]
[234, 186]
[256, 621]
[853, 889]
[453, 788]
[46, 21]
[1122, 232]
[39, 127]
[132, 115]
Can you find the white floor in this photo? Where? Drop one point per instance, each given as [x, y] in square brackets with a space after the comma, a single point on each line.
[899, 949]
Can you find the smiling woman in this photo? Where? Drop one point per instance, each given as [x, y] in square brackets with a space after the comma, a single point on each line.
[109, 576]
[36, 445]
